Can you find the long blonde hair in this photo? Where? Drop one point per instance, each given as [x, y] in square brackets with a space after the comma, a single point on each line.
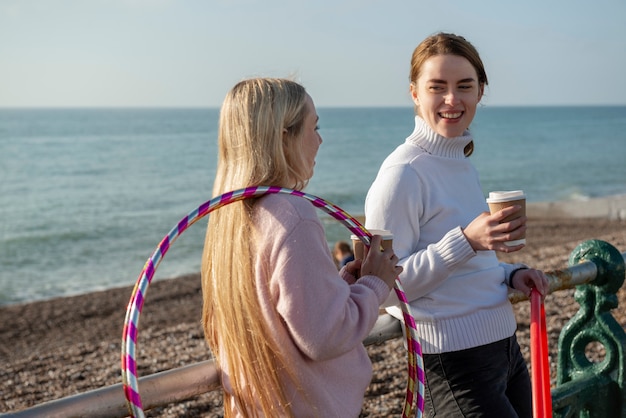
[259, 144]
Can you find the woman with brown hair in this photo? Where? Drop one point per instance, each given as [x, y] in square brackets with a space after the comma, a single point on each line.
[427, 193]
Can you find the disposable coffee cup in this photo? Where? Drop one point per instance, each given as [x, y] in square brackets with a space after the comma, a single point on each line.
[503, 199]
[359, 248]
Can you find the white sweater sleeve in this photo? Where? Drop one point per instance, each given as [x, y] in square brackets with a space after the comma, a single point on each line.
[396, 202]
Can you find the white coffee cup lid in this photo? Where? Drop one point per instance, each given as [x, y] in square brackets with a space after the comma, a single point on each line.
[382, 232]
[505, 196]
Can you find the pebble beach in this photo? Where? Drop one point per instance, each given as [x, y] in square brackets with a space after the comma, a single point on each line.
[60, 347]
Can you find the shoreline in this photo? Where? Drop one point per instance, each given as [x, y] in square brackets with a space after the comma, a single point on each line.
[67, 345]
[611, 207]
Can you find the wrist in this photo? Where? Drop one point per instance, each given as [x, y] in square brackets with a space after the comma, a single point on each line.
[512, 275]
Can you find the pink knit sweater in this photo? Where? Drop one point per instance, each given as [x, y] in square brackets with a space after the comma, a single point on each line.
[318, 319]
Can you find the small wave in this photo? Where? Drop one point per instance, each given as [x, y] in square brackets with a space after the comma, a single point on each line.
[578, 196]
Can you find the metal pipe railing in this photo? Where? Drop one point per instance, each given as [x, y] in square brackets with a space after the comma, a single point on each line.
[564, 279]
[180, 384]
[157, 389]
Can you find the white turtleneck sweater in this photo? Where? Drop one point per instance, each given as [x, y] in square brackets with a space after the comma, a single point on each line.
[426, 191]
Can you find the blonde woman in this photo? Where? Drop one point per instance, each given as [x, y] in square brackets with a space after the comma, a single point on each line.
[285, 327]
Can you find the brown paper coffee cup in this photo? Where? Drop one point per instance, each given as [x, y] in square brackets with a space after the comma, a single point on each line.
[503, 199]
[359, 248]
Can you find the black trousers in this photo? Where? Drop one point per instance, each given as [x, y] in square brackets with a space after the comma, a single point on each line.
[487, 381]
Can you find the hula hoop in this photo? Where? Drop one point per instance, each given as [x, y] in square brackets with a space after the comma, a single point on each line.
[414, 401]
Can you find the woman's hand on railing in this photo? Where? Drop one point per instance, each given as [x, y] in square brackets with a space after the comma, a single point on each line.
[526, 279]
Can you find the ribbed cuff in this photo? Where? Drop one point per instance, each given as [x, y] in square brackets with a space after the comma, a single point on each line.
[377, 285]
[454, 249]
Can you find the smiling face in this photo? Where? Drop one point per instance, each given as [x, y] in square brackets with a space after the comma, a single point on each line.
[446, 94]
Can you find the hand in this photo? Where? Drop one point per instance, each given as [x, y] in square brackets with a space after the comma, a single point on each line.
[525, 279]
[382, 264]
[353, 267]
[488, 232]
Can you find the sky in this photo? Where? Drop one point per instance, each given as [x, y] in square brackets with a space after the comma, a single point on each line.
[189, 53]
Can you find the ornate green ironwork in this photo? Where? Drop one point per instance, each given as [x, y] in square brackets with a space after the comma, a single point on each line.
[584, 388]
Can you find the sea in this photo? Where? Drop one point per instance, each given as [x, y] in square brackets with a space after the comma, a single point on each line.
[87, 194]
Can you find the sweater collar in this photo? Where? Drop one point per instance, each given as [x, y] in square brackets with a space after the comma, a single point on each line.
[433, 143]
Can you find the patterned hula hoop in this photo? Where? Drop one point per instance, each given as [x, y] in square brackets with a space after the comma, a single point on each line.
[414, 401]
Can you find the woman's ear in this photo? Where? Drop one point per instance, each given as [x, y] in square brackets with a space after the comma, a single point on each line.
[414, 97]
[481, 92]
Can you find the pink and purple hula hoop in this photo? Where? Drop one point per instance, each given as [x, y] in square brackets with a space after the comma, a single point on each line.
[414, 401]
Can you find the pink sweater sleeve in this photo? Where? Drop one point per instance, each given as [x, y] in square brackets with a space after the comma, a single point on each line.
[324, 316]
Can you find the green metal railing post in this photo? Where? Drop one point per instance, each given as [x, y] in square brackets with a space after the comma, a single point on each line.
[584, 388]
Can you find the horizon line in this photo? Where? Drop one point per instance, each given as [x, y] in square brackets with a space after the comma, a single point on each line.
[191, 107]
